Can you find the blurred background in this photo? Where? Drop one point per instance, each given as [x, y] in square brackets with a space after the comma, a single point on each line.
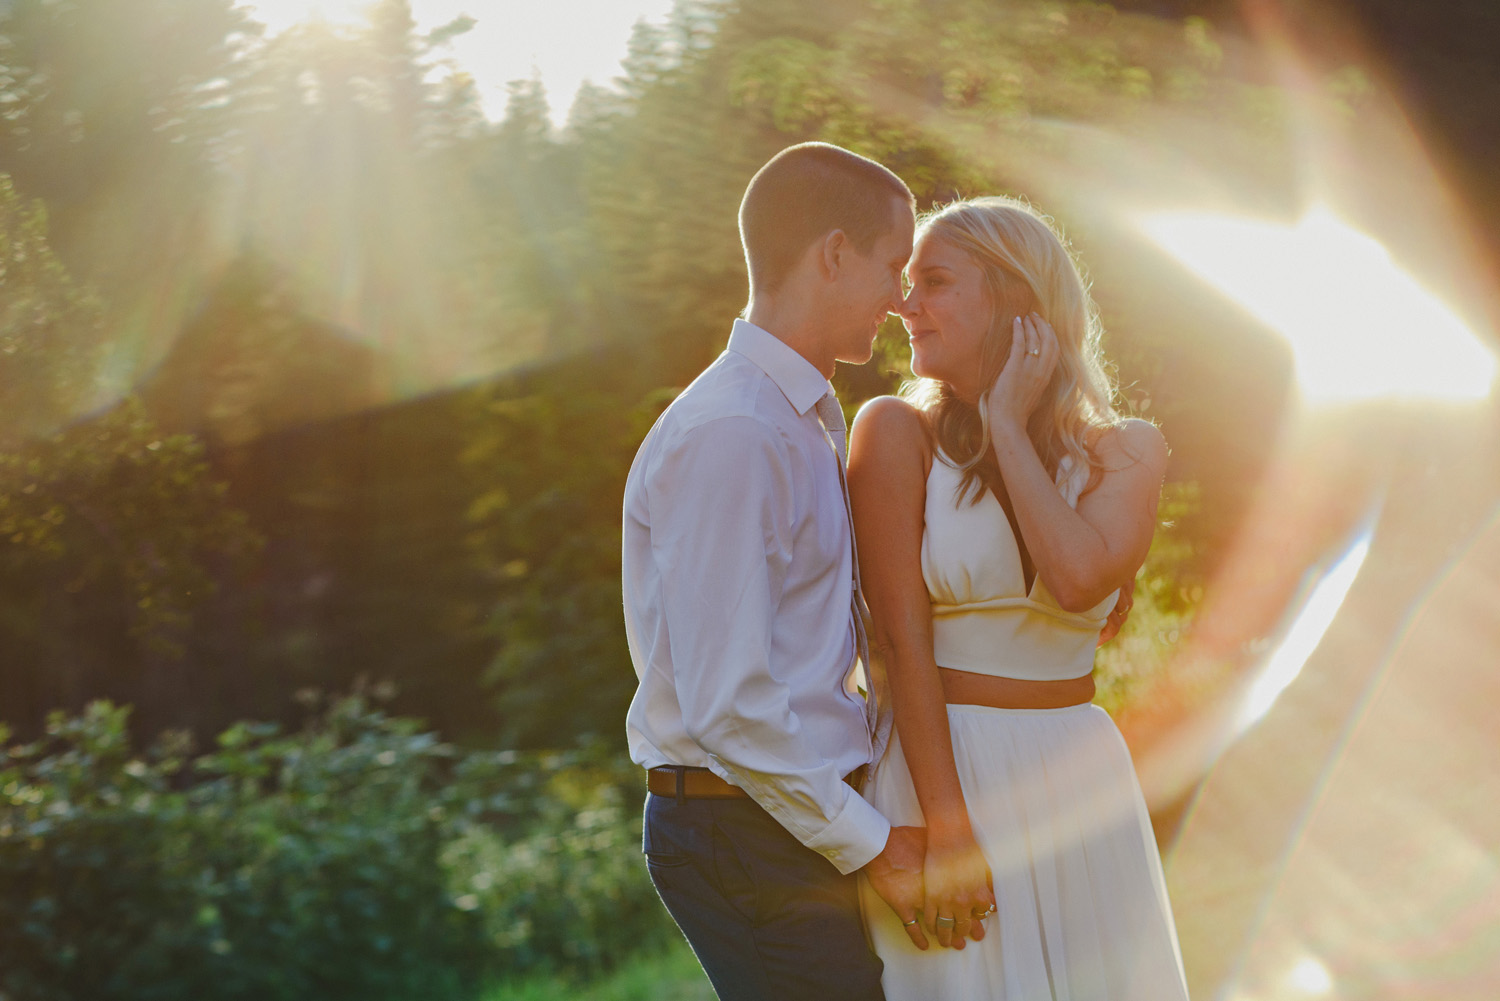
[328, 331]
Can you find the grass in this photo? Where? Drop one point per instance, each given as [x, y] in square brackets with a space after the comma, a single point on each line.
[671, 975]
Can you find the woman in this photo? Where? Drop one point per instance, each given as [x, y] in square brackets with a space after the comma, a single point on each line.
[999, 505]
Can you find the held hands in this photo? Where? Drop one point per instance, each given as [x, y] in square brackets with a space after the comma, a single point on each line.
[956, 880]
[1028, 369]
[896, 874]
[959, 890]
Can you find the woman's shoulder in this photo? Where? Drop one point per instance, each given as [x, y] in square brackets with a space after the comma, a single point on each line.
[891, 414]
[891, 427]
[1129, 441]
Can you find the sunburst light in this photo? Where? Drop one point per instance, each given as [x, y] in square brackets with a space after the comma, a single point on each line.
[278, 15]
[1325, 597]
[1360, 327]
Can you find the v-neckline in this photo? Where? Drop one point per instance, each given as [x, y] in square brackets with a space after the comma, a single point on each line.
[1028, 593]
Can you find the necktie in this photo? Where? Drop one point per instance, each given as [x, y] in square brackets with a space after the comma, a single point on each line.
[877, 696]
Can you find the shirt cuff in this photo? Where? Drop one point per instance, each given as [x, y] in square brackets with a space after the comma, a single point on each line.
[855, 836]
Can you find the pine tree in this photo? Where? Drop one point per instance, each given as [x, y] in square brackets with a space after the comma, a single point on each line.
[51, 337]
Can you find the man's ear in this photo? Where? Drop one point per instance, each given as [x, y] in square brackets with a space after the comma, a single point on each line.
[832, 253]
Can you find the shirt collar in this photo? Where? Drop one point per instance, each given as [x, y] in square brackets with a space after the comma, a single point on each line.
[799, 381]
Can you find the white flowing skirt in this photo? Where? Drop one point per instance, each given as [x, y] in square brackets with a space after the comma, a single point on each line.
[1082, 907]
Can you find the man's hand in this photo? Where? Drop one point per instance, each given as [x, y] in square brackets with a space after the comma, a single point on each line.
[896, 874]
[1116, 620]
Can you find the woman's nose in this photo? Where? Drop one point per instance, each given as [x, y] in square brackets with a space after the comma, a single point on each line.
[907, 307]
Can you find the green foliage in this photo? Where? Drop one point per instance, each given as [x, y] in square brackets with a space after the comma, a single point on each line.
[113, 81]
[357, 858]
[105, 506]
[672, 975]
[568, 890]
[788, 81]
[111, 532]
[118, 117]
[546, 533]
[50, 336]
[115, 504]
[1168, 590]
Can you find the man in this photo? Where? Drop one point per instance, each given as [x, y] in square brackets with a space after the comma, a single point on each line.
[742, 610]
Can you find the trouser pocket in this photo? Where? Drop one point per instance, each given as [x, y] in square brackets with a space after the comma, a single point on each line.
[669, 833]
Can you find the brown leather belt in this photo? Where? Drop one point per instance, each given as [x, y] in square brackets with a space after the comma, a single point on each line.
[685, 782]
[966, 688]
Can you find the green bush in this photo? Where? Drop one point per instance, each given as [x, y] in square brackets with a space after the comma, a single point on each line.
[670, 974]
[358, 858]
[571, 892]
[1167, 594]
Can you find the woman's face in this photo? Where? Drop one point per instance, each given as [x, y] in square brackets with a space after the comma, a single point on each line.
[947, 314]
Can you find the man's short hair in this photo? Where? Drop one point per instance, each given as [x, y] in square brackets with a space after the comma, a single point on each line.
[805, 192]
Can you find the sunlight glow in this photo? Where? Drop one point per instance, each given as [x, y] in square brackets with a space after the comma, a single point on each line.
[1360, 328]
[561, 42]
[278, 15]
[1310, 977]
[1307, 630]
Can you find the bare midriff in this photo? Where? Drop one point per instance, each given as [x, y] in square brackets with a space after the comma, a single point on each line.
[967, 688]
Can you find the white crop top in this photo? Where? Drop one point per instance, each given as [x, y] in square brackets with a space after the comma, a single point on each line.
[982, 618]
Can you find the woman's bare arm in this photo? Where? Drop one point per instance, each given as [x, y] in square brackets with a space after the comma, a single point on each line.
[889, 458]
[1084, 554]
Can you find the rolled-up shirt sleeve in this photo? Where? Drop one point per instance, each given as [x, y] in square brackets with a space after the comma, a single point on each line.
[722, 509]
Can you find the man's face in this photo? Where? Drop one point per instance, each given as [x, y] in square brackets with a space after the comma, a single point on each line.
[871, 286]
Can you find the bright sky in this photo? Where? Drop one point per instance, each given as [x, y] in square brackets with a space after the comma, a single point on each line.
[564, 41]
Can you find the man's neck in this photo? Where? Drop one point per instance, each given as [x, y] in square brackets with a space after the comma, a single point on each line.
[795, 327]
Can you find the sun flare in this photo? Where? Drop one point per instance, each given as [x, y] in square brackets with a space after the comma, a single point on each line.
[278, 15]
[1359, 326]
[1325, 597]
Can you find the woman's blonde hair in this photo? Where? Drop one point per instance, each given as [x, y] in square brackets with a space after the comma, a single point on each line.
[1027, 266]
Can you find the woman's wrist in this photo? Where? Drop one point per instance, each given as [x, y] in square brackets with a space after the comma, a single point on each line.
[952, 832]
[1006, 428]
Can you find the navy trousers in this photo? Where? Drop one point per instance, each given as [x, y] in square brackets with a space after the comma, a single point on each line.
[769, 919]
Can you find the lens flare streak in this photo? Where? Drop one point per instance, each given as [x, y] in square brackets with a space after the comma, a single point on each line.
[1360, 327]
[1307, 629]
